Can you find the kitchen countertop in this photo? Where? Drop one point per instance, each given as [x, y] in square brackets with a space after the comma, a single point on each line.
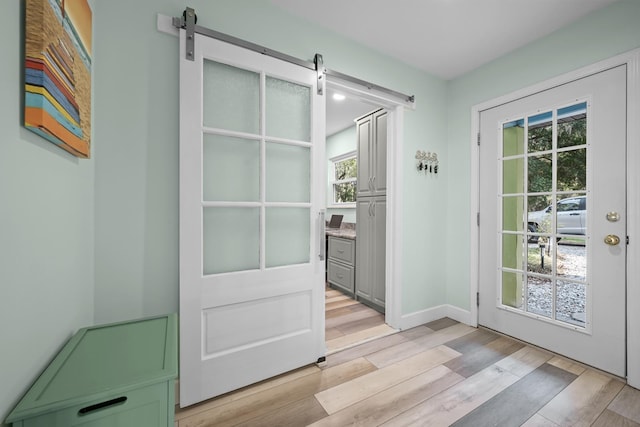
[346, 231]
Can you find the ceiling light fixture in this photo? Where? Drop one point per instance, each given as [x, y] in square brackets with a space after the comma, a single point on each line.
[338, 97]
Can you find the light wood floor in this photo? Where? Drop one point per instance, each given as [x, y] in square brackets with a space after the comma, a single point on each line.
[439, 374]
[347, 322]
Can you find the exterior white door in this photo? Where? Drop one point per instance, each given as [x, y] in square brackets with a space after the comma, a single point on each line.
[552, 205]
[252, 182]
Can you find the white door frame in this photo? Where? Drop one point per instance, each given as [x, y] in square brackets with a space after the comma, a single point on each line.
[395, 127]
[632, 60]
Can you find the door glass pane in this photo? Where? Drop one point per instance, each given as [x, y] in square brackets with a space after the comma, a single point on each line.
[231, 169]
[513, 213]
[540, 132]
[572, 258]
[571, 302]
[539, 256]
[231, 97]
[288, 173]
[540, 174]
[539, 296]
[287, 236]
[513, 138]
[513, 176]
[512, 289]
[572, 125]
[539, 215]
[572, 170]
[512, 251]
[231, 239]
[288, 110]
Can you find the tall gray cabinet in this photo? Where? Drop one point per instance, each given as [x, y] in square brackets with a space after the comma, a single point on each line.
[371, 209]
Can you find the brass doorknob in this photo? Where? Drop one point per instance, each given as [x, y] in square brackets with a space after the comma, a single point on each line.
[611, 239]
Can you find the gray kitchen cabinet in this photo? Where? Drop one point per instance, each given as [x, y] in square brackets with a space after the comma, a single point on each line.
[371, 215]
[341, 264]
[372, 154]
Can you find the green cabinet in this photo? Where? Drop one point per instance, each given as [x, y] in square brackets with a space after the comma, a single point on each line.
[116, 375]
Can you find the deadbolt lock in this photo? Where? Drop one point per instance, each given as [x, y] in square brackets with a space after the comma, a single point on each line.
[613, 216]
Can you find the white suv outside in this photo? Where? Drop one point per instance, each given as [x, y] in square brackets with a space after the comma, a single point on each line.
[571, 217]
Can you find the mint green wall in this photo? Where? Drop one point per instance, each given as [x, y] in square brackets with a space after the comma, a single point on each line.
[337, 144]
[136, 125]
[46, 233]
[600, 35]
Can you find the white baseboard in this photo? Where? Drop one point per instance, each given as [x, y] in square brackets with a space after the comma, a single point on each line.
[462, 316]
[418, 318]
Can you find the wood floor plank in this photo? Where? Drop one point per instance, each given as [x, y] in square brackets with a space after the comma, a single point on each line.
[521, 400]
[361, 324]
[609, 418]
[583, 400]
[246, 391]
[402, 351]
[341, 311]
[339, 304]
[539, 421]
[445, 322]
[627, 404]
[351, 339]
[346, 394]
[300, 413]
[416, 333]
[332, 333]
[524, 361]
[363, 350]
[388, 403]
[336, 298]
[350, 316]
[264, 402]
[471, 342]
[455, 402]
[567, 365]
[479, 357]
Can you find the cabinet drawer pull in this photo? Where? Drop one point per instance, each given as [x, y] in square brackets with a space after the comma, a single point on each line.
[341, 251]
[102, 405]
[340, 276]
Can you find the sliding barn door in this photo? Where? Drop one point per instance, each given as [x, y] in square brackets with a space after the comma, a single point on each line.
[251, 227]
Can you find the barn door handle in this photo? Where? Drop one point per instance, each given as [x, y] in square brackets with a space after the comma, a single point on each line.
[321, 235]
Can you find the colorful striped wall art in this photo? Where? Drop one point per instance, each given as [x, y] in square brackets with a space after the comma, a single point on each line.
[58, 73]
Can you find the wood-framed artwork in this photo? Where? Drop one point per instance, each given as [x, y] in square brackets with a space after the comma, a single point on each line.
[58, 73]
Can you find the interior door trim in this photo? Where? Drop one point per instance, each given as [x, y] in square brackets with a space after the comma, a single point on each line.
[632, 61]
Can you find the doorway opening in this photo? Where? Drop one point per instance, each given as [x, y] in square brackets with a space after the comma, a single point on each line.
[357, 283]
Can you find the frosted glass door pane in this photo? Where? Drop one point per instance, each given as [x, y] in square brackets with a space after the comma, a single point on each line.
[287, 236]
[231, 169]
[231, 97]
[231, 239]
[288, 173]
[288, 110]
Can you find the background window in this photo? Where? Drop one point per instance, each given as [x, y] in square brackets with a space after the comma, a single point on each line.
[344, 174]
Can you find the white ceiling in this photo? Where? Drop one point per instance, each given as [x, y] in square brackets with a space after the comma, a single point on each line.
[447, 38]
